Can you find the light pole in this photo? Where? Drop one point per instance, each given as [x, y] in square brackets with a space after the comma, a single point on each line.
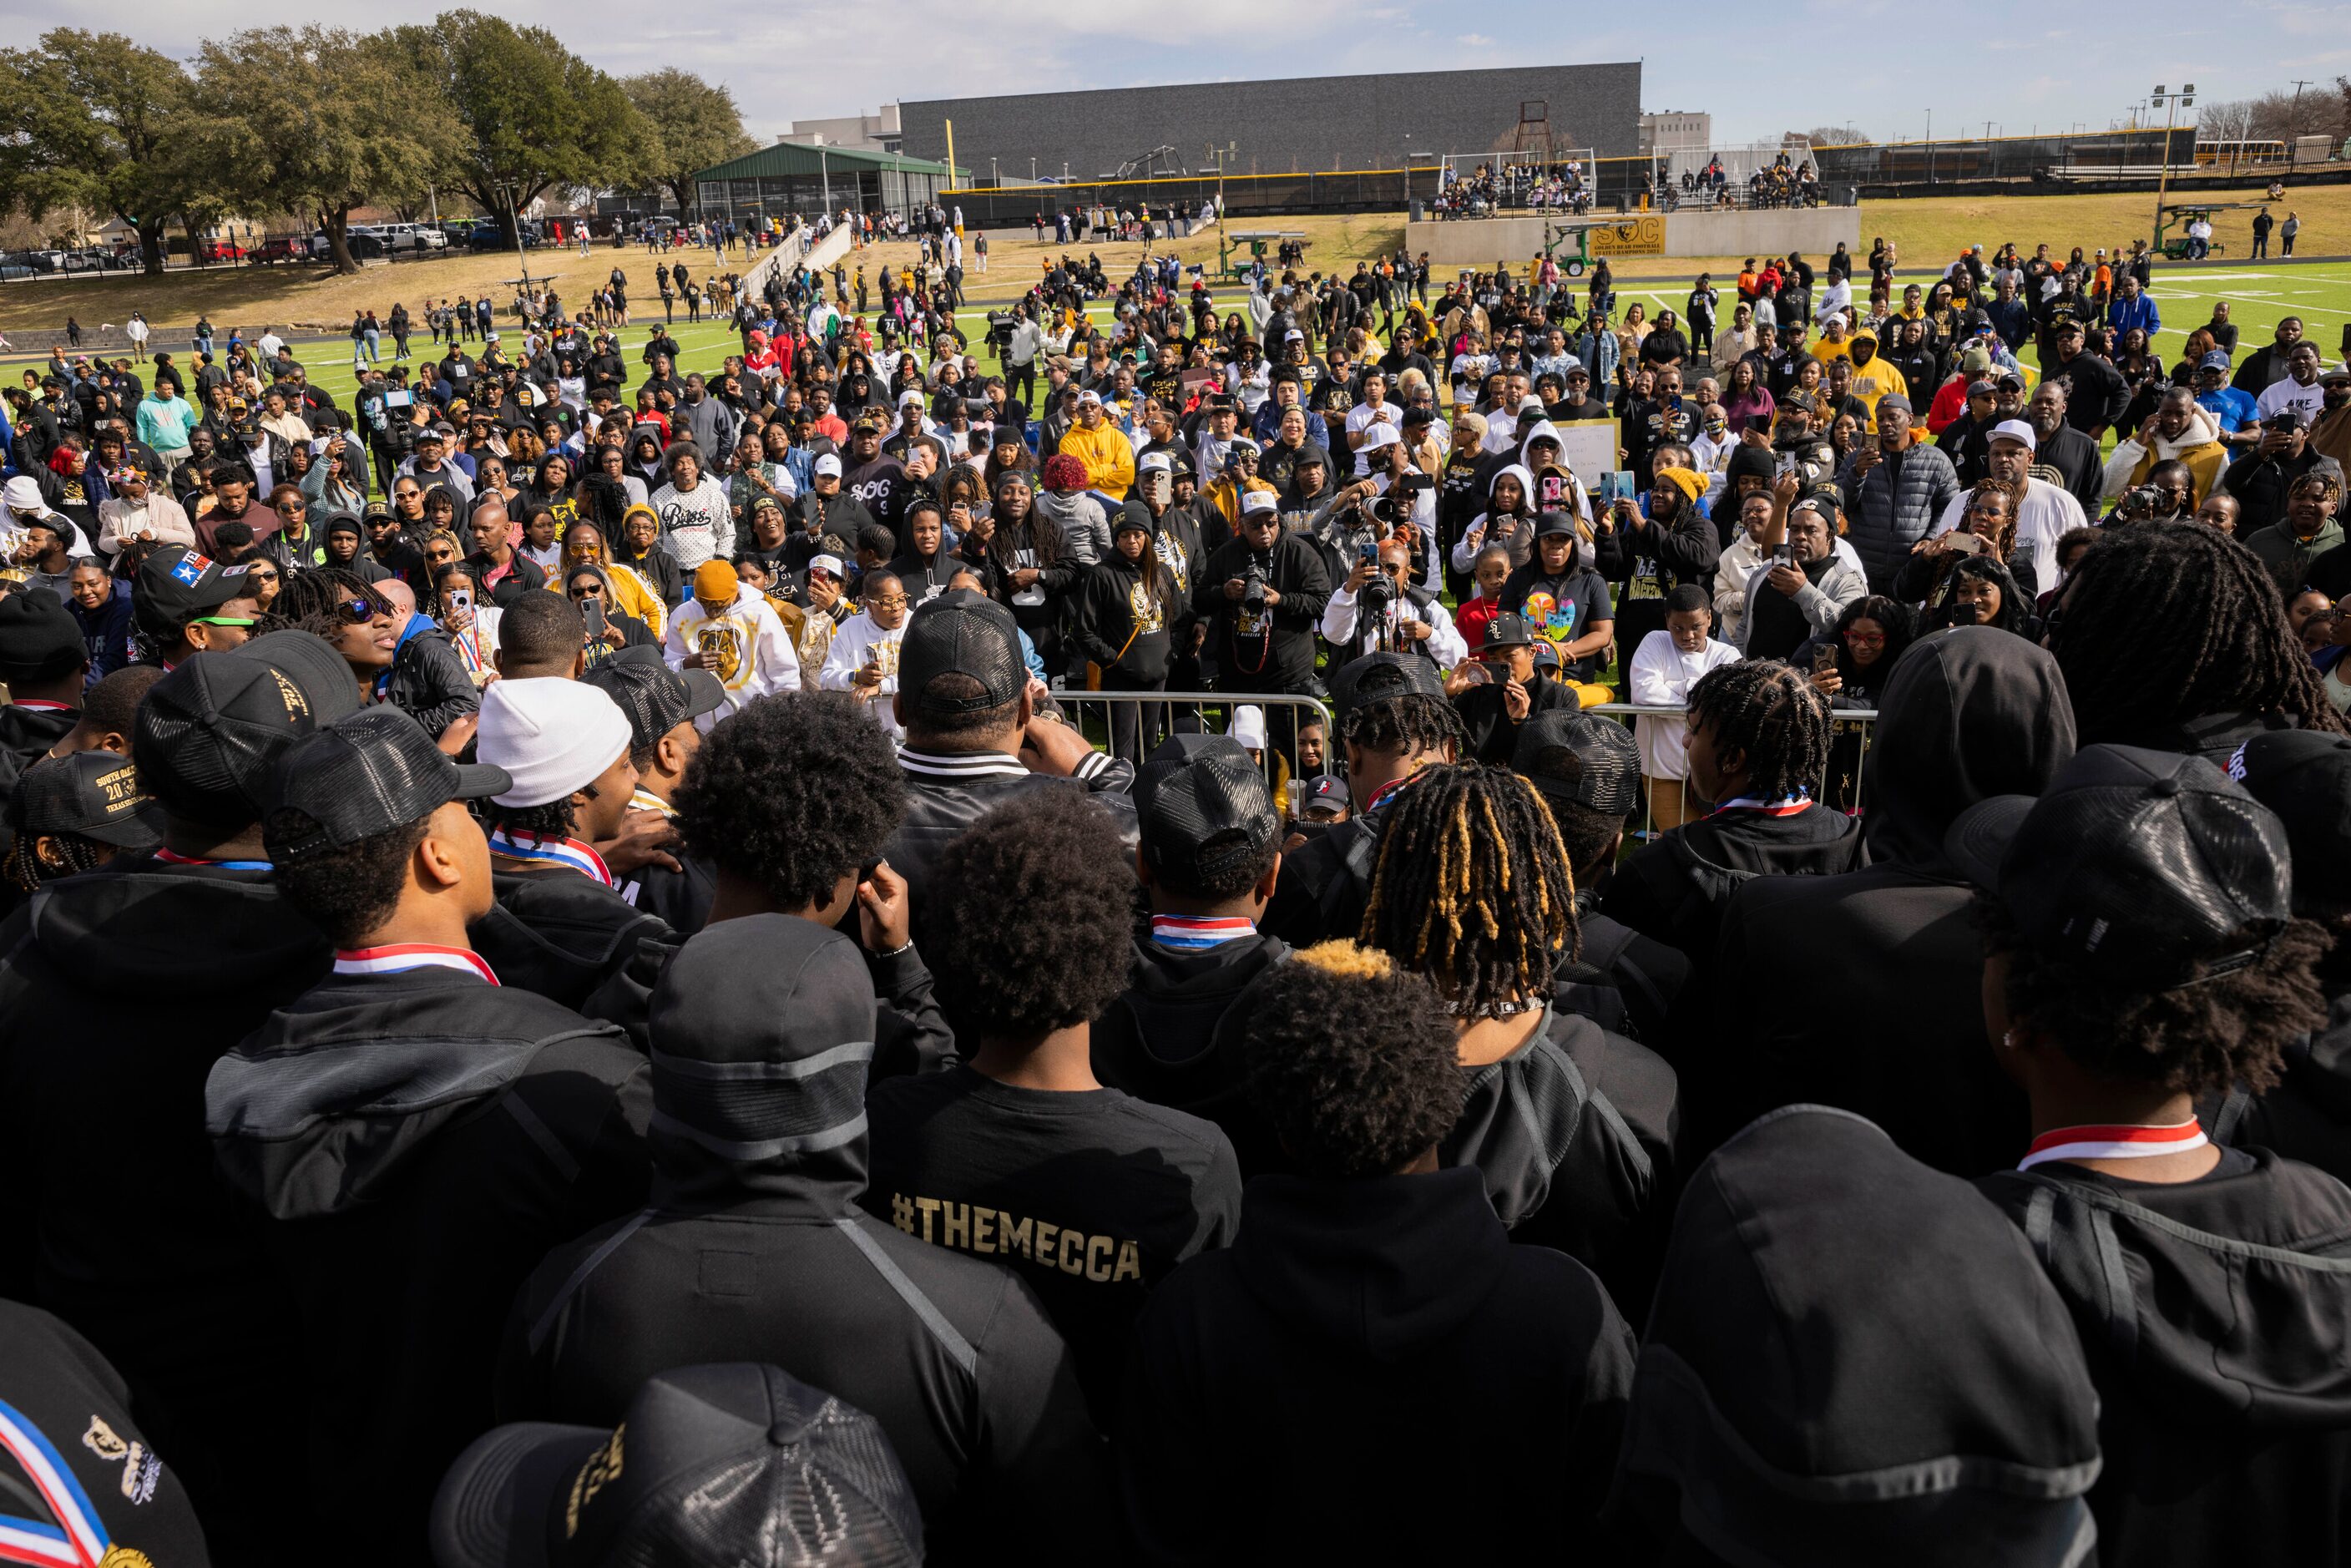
[2293, 123]
[2173, 103]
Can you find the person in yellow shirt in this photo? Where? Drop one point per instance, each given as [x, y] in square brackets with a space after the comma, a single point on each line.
[1833, 342]
[1101, 446]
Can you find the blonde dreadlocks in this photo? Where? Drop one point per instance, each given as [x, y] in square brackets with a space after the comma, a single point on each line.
[1473, 891]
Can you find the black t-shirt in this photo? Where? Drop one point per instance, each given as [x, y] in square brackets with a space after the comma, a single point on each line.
[1560, 607]
[1093, 1196]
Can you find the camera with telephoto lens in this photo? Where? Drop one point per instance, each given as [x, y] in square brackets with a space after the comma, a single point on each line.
[1253, 587]
[1377, 594]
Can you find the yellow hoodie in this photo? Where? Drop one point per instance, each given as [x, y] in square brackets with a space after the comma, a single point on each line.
[1875, 379]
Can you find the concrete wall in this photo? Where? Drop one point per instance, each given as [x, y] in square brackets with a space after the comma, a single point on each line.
[1311, 124]
[1815, 231]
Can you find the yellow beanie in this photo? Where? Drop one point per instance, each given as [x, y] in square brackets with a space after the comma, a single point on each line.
[1691, 485]
[714, 582]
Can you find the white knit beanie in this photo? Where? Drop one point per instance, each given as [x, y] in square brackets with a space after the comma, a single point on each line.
[551, 735]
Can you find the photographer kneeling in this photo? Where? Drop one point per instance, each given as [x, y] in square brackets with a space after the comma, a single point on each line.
[1378, 611]
[1263, 591]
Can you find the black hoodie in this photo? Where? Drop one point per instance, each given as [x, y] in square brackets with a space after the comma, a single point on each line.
[1173, 1038]
[1675, 889]
[1371, 1373]
[1123, 625]
[2215, 1315]
[1893, 949]
[753, 1250]
[26, 735]
[419, 1140]
[560, 933]
[1853, 1362]
[128, 986]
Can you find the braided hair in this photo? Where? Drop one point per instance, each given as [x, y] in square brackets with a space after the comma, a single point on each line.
[33, 859]
[1771, 714]
[1473, 891]
[1407, 725]
[2224, 644]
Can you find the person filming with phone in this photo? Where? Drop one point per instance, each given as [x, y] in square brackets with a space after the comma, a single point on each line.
[1803, 583]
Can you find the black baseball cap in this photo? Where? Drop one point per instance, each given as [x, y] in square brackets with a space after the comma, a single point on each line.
[367, 774]
[93, 793]
[1328, 789]
[656, 698]
[39, 638]
[176, 584]
[1582, 760]
[1200, 819]
[1507, 631]
[209, 734]
[729, 1463]
[2139, 865]
[961, 632]
[1377, 677]
[2305, 776]
[1551, 525]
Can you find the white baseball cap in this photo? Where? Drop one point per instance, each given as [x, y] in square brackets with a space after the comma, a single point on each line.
[2016, 430]
[550, 735]
[910, 397]
[1257, 501]
[827, 463]
[1088, 395]
[1376, 436]
[1154, 463]
[828, 564]
[1248, 727]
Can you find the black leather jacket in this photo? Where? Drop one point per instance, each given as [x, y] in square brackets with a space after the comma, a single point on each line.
[428, 682]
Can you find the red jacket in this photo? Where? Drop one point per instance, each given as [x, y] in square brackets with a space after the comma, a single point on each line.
[1471, 618]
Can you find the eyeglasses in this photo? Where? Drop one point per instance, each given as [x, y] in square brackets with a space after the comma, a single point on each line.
[358, 611]
[588, 591]
[890, 603]
[1866, 639]
[259, 576]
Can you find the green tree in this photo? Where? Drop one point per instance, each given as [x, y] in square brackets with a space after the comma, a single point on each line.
[696, 127]
[319, 121]
[535, 116]
[95, 119]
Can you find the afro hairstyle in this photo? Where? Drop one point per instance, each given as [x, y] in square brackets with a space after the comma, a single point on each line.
[793, 791]
[1030, 916]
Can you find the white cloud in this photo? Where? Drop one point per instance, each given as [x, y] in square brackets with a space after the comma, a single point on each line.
[1475, 40]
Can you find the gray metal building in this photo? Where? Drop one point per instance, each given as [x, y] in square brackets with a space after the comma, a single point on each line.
[1310, 123]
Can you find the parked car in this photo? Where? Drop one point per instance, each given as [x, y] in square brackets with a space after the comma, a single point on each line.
[14, 265]
[284, 247]
[221, 250]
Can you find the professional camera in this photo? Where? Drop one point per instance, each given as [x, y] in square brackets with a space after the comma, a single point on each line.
[1377, 594]
[1253, 587]
[999, 329]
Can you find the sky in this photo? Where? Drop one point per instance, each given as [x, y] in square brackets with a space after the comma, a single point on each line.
[2015, 68]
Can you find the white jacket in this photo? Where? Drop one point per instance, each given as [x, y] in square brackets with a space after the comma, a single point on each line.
[1662, 676]
[1445, 643]
[858, 640]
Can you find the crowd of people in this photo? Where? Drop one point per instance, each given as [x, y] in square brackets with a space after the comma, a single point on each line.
[580, 981]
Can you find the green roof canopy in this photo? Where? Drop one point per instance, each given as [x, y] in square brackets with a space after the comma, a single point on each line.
[793, 158]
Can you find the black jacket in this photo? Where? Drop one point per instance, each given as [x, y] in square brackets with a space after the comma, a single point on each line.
[1967, 715]
[1488, 732]
[26, 735]
[2073, 457]
[127, 988]
[559, 932]
[2213, 1315]
[752, 1248]
[62, 1394]
[2307, 1116]
[1173, 1038]
[1675, 888]
[947, 793]
[1270, 653]
[525, 576]
[418, 1141]
[2099, 393]
[1314, 1358]
[428, 682]
[1645, 561]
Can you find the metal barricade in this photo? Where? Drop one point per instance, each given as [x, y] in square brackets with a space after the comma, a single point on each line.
[1106, 718]
[1840, 786]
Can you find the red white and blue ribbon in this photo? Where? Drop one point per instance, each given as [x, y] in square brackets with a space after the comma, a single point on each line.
[80, 1538]
[1197, 933]
[581, 858]
[169, 858]
[1789, 806]
[2113, 1143]
[398, 957]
